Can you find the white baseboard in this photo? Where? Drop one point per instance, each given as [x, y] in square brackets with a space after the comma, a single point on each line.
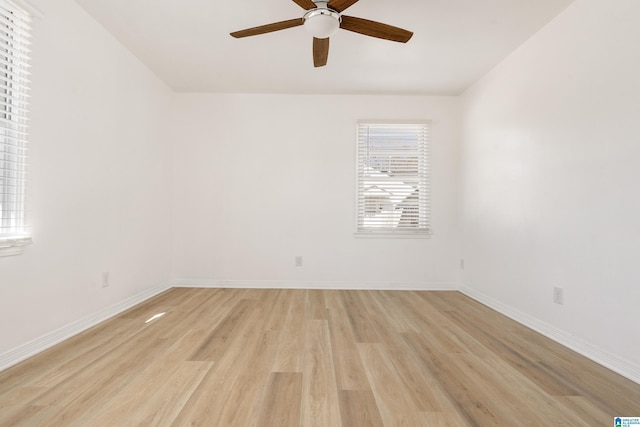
[277, 284]
[17, 355]
[602, 357]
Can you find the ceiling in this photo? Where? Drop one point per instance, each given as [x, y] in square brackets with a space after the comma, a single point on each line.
[187, 44]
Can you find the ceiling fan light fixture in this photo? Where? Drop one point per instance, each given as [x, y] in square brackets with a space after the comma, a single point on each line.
[322, 19]
[322, 23]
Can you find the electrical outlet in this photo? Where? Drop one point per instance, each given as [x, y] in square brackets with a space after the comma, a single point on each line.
[462, 264]
[106, 279]
[298, 261]
[558, 296]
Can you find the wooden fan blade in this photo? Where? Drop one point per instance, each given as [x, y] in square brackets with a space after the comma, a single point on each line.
[320, 52]
[305, 4]
[340, 5]
[375, 29]
[276, 26]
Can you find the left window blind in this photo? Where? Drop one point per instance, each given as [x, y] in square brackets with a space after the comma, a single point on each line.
[14, 92]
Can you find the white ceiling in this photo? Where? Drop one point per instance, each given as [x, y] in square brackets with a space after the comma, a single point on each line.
[187, 44]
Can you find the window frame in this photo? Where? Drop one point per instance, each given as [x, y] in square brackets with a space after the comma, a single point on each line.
[422, 176]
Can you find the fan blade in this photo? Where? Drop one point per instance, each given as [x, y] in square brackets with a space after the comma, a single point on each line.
[276, 26]
[305, 4]
[340, 5]
[320, 52]
[375, 29]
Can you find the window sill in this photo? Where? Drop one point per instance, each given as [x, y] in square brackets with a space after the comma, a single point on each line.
[10, 246]
[391, 235]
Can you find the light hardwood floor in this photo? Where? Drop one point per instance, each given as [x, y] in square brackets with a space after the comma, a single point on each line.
[224, 357]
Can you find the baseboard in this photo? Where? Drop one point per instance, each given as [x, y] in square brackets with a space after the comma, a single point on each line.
[279, 284]
[17, 355]
[604, 358]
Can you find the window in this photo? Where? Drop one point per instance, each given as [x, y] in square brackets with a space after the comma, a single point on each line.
[393, 179]
[14, 41]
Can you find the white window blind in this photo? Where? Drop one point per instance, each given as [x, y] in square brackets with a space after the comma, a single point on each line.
[393, 179]
[14, 64]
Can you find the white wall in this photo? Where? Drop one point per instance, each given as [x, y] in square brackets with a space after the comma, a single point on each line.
[100, 179]
[263, 178]
[550, 181]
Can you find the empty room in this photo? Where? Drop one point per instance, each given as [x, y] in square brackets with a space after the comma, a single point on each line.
[331, 213]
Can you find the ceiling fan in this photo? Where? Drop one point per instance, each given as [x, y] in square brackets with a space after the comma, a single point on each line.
[323, 19]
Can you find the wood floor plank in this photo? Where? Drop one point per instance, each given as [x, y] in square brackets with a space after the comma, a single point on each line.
[120, 330]
[151, 378]
[91, 350]
[333, 301]
[23, 416]
[350, 374]
[491, 339]
[237, 356]
[468, 396]
[317, 307]
[363, 329]
[358, 408]
[556, 369]
[319, 391]
[424, 390]
[388, 305]
[291, 348]
[530, 405]
[247, 357]
[283, 396]
[448, 337]
[277, 316]
[157, 405]
[441, 419]
[242, 404]
[77, 395]
[585, 376]
[392, 397]
[162, 406]
[215, 344]
[584, 409]
[33, 370]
